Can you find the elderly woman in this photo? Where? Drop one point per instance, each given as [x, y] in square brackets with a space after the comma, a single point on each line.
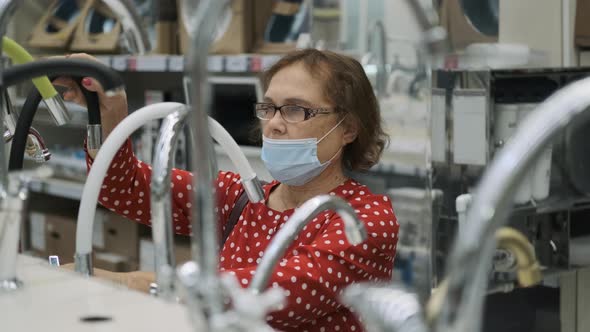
[319, 117]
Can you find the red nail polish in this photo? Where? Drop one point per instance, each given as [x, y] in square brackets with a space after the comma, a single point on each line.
[86, 81]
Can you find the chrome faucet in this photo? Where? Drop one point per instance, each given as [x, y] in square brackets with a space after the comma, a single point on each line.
[204, 220]
[378, 36]
[36, 147]
[7, 8]
[385, 308]
[12, 208]
[353, 228]
[133, 33]
[162, 232]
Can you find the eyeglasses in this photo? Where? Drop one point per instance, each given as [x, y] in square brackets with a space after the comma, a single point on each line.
[289, 113]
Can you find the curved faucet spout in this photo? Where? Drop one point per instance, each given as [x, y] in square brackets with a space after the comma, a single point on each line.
[51, 97]
[204, 221]
[377, 36]
[91, 191]
[353, 228]
[251, 183]
[162, 232]
[473, 249]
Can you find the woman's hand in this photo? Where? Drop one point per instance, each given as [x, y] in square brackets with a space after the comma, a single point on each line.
[137, 280]
[112, 109]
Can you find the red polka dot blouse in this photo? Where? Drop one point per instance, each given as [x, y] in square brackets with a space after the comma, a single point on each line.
[317, 266]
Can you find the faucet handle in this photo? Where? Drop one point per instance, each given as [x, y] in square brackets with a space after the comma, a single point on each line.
[249, 307]
[386, 307]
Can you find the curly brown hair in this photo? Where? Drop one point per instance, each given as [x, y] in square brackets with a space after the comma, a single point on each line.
[350, 91]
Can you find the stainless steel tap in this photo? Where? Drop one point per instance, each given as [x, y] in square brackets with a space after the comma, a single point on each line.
[377, 36]
[353, 228]
[36, 147]
[12, 210]
[160, 197]
[385, 308]
[162, 232]
[204, 220]
[7, 8]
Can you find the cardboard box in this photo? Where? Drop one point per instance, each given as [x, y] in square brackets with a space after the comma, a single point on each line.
[60, 39]
[262, 14]
[182, 252]
[237, 38]
[461, 31]
[582, 27]
[121, 236]
[106, 42]
[166, 41]
[60, 238]
[114, 262]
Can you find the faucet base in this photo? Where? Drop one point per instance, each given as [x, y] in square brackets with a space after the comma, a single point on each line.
[83, 264]
[10, 285]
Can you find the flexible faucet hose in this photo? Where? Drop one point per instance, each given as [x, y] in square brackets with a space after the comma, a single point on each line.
[27, 114]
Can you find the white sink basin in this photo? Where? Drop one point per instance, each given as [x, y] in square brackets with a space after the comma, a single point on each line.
[54, 299]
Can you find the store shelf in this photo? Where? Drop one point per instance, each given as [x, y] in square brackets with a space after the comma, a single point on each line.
[79, 114]
[58, 187]
[238, 63]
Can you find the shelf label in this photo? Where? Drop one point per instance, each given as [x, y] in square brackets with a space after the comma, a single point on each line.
[176, 63]
[120, 62]
[215, 63]
[236, 63]
[152, 63]
[268, 60]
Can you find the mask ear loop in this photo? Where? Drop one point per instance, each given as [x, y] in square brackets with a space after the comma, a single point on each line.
[331, 130]
[328, 133]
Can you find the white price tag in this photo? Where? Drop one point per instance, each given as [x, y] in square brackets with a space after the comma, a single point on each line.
[176, 63]
[236, 63]
[152, 63]
[215, 63]
[120, 62]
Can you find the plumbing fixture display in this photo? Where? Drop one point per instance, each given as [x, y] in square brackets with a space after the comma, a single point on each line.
[23, 128]
[117, 137]
[51, 98]
[203, 219]
[11, 214]
[548, 189]
[110, 80]
[160, 196]
[162, 231]
[492, 199]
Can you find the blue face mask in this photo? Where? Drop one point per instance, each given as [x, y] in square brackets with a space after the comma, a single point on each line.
[294, 161]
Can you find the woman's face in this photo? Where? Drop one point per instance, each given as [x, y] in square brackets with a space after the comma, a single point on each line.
[294, 85]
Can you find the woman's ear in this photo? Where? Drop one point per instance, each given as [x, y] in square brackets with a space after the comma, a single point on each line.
[350, 131]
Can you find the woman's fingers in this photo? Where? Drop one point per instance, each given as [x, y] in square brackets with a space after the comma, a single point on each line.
[91, 84]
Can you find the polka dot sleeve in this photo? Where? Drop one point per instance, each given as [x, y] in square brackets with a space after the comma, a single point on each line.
[126, 189]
